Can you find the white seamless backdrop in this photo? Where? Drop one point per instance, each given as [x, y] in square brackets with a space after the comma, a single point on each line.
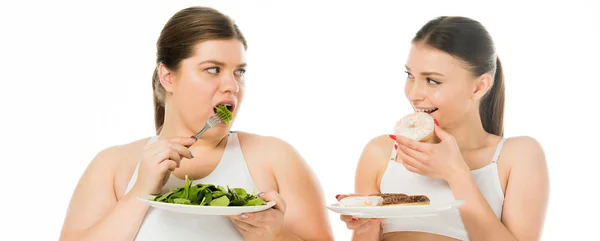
[78, 76]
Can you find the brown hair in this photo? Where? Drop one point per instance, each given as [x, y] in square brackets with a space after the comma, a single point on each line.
[176, 42]
[468, 40]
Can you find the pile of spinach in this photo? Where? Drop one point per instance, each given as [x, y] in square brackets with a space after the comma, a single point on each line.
[209, 195]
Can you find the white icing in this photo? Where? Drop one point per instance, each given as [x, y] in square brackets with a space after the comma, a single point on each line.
[361, 201]
[415, 126]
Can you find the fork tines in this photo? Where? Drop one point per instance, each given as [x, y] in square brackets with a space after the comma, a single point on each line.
[214, 120]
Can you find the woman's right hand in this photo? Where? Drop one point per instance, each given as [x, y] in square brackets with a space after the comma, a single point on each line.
[360, 225]
[157, 162]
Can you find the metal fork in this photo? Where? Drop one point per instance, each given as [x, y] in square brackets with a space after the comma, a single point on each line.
[213, 121]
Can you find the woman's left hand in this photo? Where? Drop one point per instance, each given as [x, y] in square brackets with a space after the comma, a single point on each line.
[264, 225]
[437, 160]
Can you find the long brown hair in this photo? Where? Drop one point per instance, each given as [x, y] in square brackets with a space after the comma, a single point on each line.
[176, 42]
[469, 41]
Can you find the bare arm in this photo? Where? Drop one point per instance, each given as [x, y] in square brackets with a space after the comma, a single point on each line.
[305, 217]
[373, 159]
[94, 213]
[525, 201]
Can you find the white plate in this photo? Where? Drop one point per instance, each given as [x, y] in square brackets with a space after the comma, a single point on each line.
[205, 210]
[395, 211]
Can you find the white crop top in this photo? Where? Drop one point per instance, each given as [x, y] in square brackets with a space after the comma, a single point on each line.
[397, 179]
[161, 225]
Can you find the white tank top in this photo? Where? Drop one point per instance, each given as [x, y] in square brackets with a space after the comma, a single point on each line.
[164, 225]
[397, 179]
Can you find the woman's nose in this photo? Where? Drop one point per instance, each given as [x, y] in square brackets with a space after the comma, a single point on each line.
[417, 92]
[229, 84]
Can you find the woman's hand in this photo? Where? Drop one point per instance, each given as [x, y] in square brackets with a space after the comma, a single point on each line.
[158, 160]
[359, 225]
[264, 225]
[437, 160]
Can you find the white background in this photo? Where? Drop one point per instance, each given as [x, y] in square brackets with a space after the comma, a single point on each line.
[76, 79]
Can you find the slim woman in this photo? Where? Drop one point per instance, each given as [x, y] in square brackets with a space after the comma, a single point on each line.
[455, 75]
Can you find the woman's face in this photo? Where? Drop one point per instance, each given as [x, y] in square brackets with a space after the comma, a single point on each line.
[440, 84]
[213, 75]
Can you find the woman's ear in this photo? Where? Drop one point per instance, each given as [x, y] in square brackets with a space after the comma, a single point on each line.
[166, 77]
[483, 85]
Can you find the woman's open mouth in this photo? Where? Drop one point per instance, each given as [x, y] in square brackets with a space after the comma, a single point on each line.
[428, 111]
[230, 107]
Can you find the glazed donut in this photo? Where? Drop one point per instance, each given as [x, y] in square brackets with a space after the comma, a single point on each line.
[418, 126]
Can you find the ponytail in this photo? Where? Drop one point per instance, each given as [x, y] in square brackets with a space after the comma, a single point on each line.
[159, 108]
[491, 109]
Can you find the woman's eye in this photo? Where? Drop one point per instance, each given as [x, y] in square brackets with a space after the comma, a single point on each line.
[213, 70]
[240, 72]
[432, 82]
[408, 75]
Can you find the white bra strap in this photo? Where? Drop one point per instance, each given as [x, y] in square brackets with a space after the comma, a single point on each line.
[498, 149]
[152, 140]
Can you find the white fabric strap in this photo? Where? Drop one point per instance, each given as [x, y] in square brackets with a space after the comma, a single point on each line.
[498, 149]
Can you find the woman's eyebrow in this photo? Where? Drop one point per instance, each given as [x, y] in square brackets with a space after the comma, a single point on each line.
[425, 73]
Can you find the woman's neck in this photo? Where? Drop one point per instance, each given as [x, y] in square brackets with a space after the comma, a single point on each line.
[469, 134]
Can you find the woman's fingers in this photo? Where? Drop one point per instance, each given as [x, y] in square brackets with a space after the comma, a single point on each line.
[168, 165]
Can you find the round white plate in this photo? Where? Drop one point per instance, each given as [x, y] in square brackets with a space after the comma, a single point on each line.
[395, 211]
[205, 210]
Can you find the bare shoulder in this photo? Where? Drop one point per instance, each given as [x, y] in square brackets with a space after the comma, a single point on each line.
[372, 164]
[120, 154]
[258, 139]
[528, 188]
[94, 194]
[127, 156]
[523, 151]
[116, 163]
[273, 159]
[378, 150]
[128, 152]
[271, 149]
